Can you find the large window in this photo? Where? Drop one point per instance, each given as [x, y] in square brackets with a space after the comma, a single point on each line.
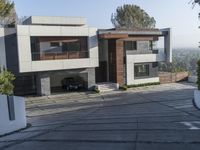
[54, 44]
[141, 70]
[71, 46]
[130, 45]
[151, 45]
[51, 48]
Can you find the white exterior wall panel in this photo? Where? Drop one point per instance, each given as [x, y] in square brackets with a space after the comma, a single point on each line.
[55, 20]
[141, 58]
[24, 48]
[146, 80]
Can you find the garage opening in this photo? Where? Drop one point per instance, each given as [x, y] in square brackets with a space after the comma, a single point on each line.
[68, 82]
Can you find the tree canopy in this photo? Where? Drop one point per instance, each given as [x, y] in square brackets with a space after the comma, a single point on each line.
[7, 13]
[132, 16]
[6, 85]
[197, 1]
[5, 8]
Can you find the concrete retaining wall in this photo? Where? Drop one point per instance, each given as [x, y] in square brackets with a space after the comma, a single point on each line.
[8, 125]
[192, 79]
[167, 77]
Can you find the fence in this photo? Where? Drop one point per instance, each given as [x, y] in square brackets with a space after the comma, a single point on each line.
[168, 77]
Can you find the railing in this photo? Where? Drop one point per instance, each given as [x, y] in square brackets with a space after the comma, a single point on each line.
[142, 51]
[155, 51]
[36, 56]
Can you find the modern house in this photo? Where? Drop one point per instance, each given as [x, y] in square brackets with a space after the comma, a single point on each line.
[45, 50]
[130, 57]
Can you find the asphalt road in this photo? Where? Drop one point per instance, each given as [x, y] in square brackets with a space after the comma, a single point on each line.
[153, 118]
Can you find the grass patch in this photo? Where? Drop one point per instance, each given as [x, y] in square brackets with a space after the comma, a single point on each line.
[142, 85]
[124, 88]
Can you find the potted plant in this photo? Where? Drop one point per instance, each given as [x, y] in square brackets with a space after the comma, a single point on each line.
[6, 79]
[197, 92]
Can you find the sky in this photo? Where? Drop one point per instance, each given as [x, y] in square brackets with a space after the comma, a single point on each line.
[177, 14]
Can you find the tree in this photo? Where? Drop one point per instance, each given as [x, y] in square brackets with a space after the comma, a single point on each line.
[194, 2]
[132, 16]
[6, 85]
[7, 13]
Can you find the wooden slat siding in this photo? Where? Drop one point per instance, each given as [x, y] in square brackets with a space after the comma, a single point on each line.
[139, 39]
[116, 61]
[129, 37]
[120, 62]
[144, 37]
[113, 36]
[112, 60]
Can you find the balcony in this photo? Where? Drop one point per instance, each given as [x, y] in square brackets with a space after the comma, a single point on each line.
[136, 52]
[39, 56]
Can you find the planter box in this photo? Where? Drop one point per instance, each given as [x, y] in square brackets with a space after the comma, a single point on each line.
[12, 114]
[168, 77]
[197, 98]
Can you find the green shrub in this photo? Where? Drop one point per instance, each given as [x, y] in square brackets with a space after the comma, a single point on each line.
[145, 84]
[124, 88]
[6, 85]
[198, 74]
[96, 90]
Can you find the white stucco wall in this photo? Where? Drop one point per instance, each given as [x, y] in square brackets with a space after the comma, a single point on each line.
[7, 126]
[145, 80]
[2, 49]
[55, 20]
[149, 58]
[131, 60]
[24, 48]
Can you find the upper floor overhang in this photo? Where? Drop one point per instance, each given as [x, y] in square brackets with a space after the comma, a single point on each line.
[59, 33]
[125, 33]
[55, 21]
[141, 35]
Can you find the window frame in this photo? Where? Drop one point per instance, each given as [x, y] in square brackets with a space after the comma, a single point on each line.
[142, 74]
[54, 44]
[133, 45]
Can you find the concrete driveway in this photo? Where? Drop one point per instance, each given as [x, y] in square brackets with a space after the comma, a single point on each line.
[149, 118]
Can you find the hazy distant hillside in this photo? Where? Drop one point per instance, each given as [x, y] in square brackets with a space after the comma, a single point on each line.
[183, 59]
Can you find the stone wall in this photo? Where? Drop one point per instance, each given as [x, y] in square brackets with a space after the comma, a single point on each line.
[167, 77]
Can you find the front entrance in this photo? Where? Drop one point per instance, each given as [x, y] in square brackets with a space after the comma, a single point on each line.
[111, 57]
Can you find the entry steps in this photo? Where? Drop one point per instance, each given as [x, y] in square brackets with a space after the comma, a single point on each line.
[106, 87]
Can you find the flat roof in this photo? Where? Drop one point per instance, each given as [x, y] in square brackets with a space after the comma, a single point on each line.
[53, 20]
[131, 32]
